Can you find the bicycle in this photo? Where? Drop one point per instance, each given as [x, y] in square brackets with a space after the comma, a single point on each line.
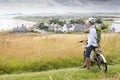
[97, 57]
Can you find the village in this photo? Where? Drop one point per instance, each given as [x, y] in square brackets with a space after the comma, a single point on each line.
[53, 25]
[50, 27]
[65, 26]
[56, 26]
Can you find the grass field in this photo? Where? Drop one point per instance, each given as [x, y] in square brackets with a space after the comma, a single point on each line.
[68, 74]
[21, 53]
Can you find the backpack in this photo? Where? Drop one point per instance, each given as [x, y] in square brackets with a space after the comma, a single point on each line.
[98, 30]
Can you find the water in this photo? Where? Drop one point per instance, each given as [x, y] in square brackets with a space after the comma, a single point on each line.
[8, 23]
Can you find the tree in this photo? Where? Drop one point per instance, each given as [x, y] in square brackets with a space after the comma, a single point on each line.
[55, 21]
[99, 21]
[104, 27]
[80, 21]
[60, 23]
[42, 26]
[72, 21]
[64, 22]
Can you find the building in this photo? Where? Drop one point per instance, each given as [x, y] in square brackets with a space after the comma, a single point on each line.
[115, 27]
[22, 28]
[51, 27]
[66, 27]
[77, 27]
[57, 28]
[46, 24]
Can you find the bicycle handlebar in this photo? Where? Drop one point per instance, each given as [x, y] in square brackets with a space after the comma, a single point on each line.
[83, 41]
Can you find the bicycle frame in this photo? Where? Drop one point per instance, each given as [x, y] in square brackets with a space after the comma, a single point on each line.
[97, 57]
[95, 51]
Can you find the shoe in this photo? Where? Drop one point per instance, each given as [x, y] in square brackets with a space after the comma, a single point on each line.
[88, 68]
[84, 66]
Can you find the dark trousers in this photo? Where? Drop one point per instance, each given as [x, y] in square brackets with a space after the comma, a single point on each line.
[87, 52]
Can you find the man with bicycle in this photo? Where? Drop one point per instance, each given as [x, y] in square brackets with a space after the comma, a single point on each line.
[92, 42]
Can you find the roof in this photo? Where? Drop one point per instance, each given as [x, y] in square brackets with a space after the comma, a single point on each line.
[116, 22]
[67, 25]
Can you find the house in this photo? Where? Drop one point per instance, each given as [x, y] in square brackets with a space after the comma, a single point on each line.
[66, 27]
[115, 27]
[46, 24]
[20, 29]
[77, 27]
[55, 27]
[36, 26]
[51, 27]
[58, 28]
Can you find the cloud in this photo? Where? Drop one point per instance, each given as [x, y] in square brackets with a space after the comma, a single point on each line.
[75, 3]
[69, 3]
[61, 5]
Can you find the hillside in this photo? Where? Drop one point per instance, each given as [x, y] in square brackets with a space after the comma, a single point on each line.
[31, 56]
[68, 74]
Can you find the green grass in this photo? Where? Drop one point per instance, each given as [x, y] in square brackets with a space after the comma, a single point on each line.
[68, 74]
[21, 53]
[24, 53]
[34, 19]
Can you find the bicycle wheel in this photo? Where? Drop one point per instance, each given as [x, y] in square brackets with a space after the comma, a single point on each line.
[101, 62]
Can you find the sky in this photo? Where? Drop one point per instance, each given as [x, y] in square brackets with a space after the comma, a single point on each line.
[58, 6]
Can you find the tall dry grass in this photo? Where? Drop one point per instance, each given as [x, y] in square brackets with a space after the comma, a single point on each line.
[36, 52]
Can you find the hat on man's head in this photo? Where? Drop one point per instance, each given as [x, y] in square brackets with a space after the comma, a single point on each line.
[91, 20]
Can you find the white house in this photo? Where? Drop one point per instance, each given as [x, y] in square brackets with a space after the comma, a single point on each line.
[51, 27]
[115, 27]
[46, 24]
[22, 28]
[66, 27]
[36, 26]
[57, 28]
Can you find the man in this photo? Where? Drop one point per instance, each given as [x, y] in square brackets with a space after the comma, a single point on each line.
[92, 41]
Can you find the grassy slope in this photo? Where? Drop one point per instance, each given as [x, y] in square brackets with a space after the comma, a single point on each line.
[68, 74]
[29, 55]
[34, 52]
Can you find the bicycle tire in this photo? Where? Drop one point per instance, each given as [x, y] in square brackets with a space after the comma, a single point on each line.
[101, 62]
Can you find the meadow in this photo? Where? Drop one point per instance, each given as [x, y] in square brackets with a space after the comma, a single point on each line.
[32, 52]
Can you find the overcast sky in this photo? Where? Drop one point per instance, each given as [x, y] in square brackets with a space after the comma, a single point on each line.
[58, 6]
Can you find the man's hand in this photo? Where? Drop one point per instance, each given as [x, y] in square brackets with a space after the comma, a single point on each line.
[84, 46]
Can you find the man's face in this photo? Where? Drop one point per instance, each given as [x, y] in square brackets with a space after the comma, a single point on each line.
[89, 24]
